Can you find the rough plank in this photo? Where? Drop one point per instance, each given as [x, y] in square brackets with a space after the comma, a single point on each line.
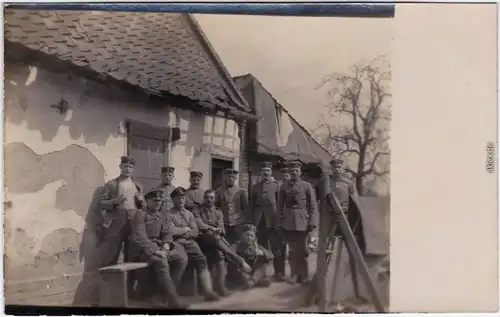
[123, 267]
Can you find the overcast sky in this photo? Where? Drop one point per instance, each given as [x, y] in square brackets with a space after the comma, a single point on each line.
[290, 55]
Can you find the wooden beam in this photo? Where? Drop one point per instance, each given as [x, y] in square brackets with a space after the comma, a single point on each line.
[352, 245]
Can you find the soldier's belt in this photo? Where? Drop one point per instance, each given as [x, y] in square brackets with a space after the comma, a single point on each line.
[265, 205]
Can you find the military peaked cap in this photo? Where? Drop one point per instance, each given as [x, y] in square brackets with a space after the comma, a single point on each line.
[266, 165]
[155, 194]
[295, 164]
[231, 171]
[196, 174]
[336, 162]
[179, 191]
[249, 227]
[127, 160]
[167, 169]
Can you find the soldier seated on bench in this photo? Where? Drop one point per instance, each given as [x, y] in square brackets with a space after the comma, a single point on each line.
[185, 232]
[211, 240]
[151, 241]
[259, 258]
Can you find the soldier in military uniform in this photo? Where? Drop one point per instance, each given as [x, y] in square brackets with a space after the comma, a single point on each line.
[194, 194]
[341, 186]
[265, 214]
[259, 258]
[116, 206]
[285, 174]
[298, 216]
[167, 176]
[211, 240]
[185, 232]
[119, 201]
[233, 201]
[151, 241]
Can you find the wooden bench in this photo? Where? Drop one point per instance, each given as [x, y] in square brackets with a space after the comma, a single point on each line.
[115, 285]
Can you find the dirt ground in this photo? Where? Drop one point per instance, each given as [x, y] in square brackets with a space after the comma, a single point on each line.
[281, 297]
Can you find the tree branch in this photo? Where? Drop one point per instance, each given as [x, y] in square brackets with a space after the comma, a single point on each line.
[371, 170]
[354, 151]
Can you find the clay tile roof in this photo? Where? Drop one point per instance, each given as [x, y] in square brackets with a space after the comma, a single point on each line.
[158, 52]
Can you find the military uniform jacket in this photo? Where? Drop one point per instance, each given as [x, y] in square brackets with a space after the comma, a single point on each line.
[167, 190]
[251, 255]
[265, 202]
[194, 198]
[150, 231]
[234, 204]
[342, 188]
[110, 191]
[180, 219]
[207, 217]
[297, 206]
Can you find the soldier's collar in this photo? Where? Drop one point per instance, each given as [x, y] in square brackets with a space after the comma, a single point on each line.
[209, 208]
[152, 212]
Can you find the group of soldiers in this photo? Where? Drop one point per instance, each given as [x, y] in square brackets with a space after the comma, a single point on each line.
[219, 231]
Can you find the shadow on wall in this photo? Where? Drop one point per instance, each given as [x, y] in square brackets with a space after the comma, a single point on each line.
[29, 173]
[87, 291]
[32, 93]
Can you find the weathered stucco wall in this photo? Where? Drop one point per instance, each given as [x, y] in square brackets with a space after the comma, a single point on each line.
[54, 162]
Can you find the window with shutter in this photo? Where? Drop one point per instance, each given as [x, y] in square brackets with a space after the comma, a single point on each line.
[149, 146]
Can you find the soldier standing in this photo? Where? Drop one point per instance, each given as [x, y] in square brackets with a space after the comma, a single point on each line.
[167, 177]
[151, 241]
[265, 214]
[233, 201]
[185, 231]
[285, 174]
[298, 216]
[194, 194]
[341, 187]
[119, 201]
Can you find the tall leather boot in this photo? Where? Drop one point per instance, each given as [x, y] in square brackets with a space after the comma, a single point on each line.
[206, 285]
[223, 245]
[279, 265]
[167, 286]
[220, 279]
[260, 277]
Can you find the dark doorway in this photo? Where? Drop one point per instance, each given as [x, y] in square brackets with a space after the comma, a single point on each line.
[218, 167]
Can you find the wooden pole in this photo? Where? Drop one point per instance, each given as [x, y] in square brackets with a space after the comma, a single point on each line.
[352, 245]
[324, 296]
[323, 260]
[338, 261]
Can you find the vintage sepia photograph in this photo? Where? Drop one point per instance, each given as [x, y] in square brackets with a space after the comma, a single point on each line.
[206, 162]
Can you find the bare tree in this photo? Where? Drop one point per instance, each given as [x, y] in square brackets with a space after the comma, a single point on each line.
[359, 104]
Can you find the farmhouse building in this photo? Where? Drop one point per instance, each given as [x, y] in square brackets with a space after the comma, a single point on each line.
[83, 89]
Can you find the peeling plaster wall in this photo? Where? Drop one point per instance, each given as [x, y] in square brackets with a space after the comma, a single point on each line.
[56, 163]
